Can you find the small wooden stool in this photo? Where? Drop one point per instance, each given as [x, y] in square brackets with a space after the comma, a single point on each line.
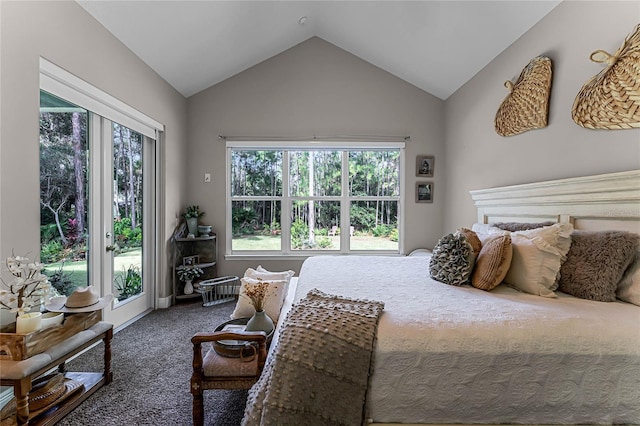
[220, 372]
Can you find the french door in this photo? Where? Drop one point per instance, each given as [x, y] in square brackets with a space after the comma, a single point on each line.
[123, 226]
[97, 207]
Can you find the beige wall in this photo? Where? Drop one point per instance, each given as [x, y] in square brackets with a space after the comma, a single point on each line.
[66, 35]
[313, 88]
[477, 157]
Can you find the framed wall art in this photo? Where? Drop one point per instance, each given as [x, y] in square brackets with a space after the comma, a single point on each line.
[424, 192]
[424, 165]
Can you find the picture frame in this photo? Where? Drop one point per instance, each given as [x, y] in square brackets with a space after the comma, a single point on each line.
[424, 192]
[424, 165]
[190, 260]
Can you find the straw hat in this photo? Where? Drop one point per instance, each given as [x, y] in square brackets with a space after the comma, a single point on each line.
[83, 299]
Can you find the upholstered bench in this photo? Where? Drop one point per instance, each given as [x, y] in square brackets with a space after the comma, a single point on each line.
[20, 374]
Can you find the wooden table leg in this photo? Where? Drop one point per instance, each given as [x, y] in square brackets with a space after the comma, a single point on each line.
[108, 375]
[21, 389]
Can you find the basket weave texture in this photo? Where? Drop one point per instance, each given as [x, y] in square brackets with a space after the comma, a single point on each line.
[526, 107]
[611, 99]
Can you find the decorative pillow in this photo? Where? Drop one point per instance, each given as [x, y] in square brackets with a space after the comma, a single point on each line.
[452, 260]
[492, 263]
[262, 274]
[517, 226]
[473, 239]
[629, 286]
[484, 231]
[537, 257]
[596, 263]
[273, 299]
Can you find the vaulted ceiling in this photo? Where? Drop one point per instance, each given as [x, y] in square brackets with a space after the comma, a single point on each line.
[435, 45]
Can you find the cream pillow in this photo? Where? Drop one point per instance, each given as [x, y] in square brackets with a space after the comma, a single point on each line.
[629, 287]
[262, 274]
[537, 257]
[492, 263]
[485, 231]
[273, 300]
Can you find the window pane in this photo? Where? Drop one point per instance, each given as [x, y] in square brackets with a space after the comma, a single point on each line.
[256, 173]
[314, 173]
[314, 225]
[127, 212]
[63, 193]
[374, 173]
[375, 225]
[256, 225]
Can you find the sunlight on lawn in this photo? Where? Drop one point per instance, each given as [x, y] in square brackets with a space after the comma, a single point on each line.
[77, 271]
[272, 242]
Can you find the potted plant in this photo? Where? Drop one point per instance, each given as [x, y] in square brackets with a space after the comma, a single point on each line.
[187, 274]
[191, 216]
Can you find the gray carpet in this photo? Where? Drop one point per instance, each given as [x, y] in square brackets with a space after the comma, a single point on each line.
[151, 367]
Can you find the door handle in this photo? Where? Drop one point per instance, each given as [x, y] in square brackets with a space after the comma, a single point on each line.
[111, 248]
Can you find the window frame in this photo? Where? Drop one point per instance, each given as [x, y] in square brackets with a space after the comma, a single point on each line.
[286, 200]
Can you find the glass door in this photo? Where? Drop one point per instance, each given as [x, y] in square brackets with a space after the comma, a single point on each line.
[128, 235]
[97, 207]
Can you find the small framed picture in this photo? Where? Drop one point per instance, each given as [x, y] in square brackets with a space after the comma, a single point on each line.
[424, 192]
[190, 260]
[424, 165]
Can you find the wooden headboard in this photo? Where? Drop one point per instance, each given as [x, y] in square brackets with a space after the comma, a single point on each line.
[601, 202]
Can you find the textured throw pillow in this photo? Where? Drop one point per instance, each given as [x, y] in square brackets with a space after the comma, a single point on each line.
[473, 239]
[596, 263]
[452, 260]
[273, 299]
[629, 286]
[518, 226]
[492, 263]
[537, 257]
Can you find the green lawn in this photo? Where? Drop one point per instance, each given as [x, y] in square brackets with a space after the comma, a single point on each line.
[77, 271]
[272, 242]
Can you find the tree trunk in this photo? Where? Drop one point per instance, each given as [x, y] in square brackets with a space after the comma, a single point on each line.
[79, 176]
[312, 212]
[132, 198]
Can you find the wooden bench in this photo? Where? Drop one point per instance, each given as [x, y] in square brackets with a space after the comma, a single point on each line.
[20, 374]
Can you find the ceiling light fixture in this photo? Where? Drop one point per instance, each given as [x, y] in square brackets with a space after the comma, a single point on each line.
[302, 21]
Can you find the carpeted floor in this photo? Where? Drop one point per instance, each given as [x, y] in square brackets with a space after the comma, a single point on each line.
[151, 367]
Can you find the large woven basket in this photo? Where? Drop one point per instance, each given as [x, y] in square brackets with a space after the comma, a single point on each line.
[526, 107]
[611, 99]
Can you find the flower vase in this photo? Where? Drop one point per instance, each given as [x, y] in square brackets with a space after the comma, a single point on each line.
[188, 287]
[260, 321]
[192, 226]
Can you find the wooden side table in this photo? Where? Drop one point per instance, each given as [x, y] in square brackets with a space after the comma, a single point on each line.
[20, 374]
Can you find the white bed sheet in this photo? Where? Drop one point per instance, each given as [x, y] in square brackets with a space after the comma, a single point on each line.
[448, 354]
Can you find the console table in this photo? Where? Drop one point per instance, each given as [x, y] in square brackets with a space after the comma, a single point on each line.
[20, 374]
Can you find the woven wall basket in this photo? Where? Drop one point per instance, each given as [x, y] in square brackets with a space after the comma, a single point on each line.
[526, 107]
[611, 99]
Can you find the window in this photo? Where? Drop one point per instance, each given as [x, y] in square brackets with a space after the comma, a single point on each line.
[289, 199]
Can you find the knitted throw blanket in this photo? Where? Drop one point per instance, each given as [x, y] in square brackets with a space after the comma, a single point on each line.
[318, 373]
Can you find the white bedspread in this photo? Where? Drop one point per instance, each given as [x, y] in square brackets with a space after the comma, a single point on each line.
[450, 354]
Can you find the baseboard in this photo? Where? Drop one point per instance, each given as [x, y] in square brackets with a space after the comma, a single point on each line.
[164, 302]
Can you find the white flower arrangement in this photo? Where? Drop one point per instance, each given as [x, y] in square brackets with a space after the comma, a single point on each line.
[28, 288]
[189, 273]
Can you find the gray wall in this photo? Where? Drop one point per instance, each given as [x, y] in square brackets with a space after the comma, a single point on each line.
[313, 88]
[477, 157]
[66, 35]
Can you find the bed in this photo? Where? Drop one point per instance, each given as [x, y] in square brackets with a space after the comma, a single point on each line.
[458, 354]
